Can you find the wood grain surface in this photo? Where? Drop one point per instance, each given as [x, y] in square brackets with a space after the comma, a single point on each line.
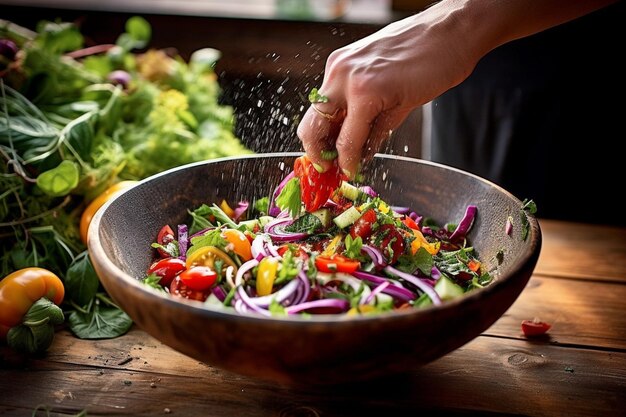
[578, 369]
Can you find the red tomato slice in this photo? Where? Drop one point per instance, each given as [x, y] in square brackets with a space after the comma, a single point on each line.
[390, 241]
[534, 327]
[298, 252]
[363, 225]
[336, 263]
[315, 187]
[165, 236]
[199, 277]
[167, 269]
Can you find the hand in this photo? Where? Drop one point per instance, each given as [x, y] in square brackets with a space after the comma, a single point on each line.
[373, 84]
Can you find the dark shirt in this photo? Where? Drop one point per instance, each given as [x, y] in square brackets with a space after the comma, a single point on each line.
[544, 117]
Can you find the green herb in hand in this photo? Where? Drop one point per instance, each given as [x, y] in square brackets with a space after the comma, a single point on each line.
[316, 97]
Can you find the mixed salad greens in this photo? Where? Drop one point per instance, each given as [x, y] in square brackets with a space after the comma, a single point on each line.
[76, 120]
[318, 244]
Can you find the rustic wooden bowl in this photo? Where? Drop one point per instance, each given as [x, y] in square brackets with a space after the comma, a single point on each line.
[320, 349]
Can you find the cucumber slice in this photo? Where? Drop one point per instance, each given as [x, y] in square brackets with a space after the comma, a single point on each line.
[346, 218]
[324, 215]
[350, 192]
[250, 225]
[447, 289]
[263, 220]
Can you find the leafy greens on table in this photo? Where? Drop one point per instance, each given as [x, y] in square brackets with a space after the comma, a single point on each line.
[74, 121]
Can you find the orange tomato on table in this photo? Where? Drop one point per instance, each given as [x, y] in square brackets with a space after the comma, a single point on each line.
[98, 202]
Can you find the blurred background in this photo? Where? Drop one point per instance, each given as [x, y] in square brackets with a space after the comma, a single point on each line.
[535, 116]
[272, 51]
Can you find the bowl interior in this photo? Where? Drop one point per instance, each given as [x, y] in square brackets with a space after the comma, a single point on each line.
[130, 223]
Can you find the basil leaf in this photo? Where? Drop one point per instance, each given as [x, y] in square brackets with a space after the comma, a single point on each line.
[30, 339]
[421, 260]
[101, 321]
[81, 281]
[307, 223]
[59, 181]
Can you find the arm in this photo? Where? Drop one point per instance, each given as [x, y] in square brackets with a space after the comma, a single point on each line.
[377, 81]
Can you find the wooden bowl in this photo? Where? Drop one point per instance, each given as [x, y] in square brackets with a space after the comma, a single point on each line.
[320, 349]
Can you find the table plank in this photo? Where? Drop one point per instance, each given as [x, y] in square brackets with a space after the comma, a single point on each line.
[582, 251]
[582, 313]
[490, 375]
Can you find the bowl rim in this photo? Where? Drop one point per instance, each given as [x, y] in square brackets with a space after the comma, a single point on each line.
[97, 251]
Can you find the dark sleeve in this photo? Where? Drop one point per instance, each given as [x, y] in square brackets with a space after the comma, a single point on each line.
[544, 118]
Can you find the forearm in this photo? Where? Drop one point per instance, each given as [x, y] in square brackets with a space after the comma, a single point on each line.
[487, 24]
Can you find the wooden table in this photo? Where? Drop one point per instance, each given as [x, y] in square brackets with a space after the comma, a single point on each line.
[579, 286]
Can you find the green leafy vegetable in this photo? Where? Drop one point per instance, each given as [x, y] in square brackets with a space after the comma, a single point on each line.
[307, 223]
[81, 282]
[289, 197]
[171, 248]
[36, 332]
[421, 260]
[261, 206]
[102, 319]
[353, 247]
[212, 238]
[137, 36]
[528, 208]
[67, 133]
[454, 262]
[59, 181]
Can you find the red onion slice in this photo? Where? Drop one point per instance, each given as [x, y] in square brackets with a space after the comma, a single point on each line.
[393, 290]
[417, 282]
[279, 296]
[376, 291]
[275, 229]
[333, 303]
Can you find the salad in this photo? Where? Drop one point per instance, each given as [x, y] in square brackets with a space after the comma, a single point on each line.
[318, 245]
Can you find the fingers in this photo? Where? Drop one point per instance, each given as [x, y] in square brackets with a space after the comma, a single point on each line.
[381, 131]
[353, 136]
[318, 134]
[356, 138]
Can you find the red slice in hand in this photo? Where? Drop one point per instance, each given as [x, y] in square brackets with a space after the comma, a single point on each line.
[316, 187]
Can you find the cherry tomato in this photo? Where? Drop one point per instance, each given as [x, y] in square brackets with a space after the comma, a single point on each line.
[207, 255]
[198, 278]
[535, 327]
[240, 242]
[266, 275]
[165, 236]
[364, 225]
[178, 288]
[298, 252]
[336, 263]
[167, 269]
[390, 241]
[315, 187]
[98, 202]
